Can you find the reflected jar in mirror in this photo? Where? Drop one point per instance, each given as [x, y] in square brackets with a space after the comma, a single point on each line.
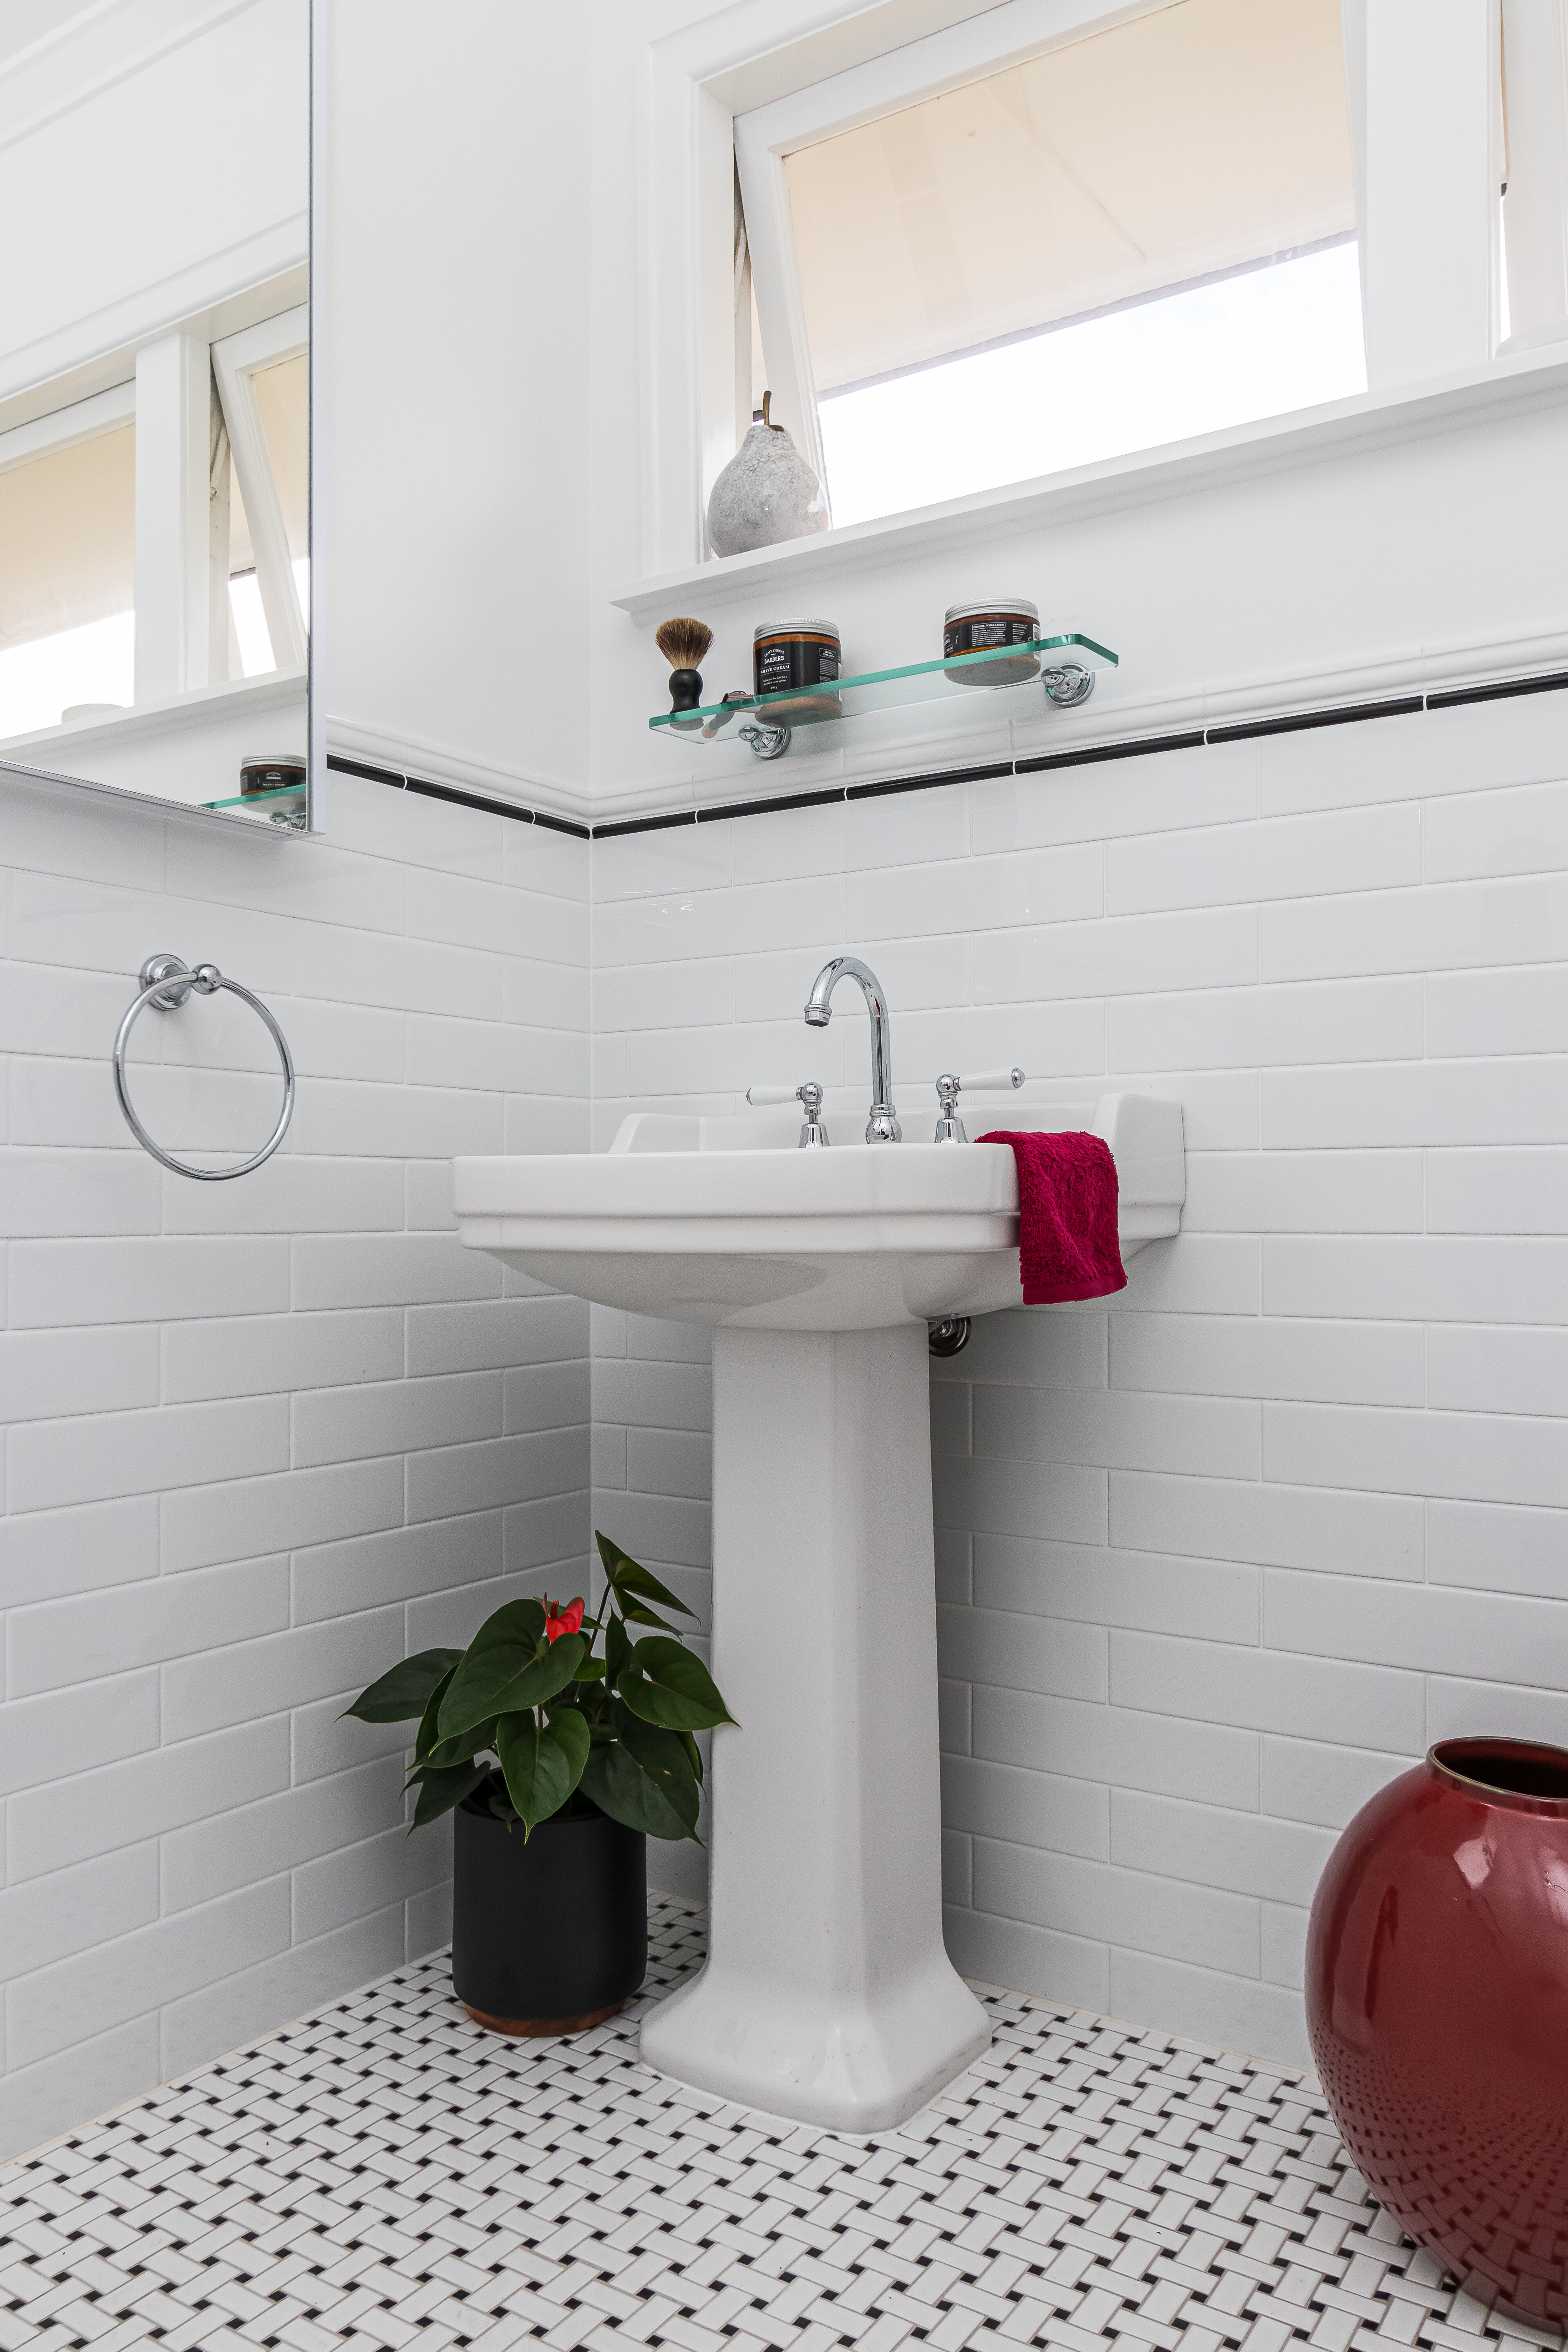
[278, 773]
[976, 629]
[799, 653]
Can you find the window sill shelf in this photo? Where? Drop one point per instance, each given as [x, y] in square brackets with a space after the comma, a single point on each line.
[1271, 444]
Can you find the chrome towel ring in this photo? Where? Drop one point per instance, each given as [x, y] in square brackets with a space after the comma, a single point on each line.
[166, 983]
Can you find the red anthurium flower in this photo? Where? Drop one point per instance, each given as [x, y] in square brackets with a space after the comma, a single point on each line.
[559, 1621]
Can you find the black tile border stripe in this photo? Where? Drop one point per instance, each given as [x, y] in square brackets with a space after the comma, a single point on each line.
[429, 792]
[925, 784]
[645, 825]
[1347, 714]
[1543, 684]
[1344, 714]
[1088, 753]
[757, 808]
[372, 775]
[426, 790]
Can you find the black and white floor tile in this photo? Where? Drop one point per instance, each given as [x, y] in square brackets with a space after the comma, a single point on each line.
[386, 2174]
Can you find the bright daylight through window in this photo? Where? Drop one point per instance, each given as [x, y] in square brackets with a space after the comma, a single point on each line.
[1138, 237]
[67, 580]
[68, 624]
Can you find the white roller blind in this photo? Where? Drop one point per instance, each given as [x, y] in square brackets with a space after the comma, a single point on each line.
[67, 536]
[1207, 135]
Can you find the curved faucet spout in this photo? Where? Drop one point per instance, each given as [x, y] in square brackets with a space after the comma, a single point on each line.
[883, 1126]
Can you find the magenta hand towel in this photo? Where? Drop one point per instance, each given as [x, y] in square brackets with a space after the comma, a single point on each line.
[1068, 1242]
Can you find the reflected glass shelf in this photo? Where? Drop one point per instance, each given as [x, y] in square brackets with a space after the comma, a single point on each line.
[286, 804]
[816, 717]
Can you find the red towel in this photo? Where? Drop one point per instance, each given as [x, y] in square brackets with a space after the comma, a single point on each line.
[1068, 1242]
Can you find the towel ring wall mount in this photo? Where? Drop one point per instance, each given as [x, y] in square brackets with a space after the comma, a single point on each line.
[166, 985]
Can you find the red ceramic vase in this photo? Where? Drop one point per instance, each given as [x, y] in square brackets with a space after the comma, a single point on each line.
[1438, 1999]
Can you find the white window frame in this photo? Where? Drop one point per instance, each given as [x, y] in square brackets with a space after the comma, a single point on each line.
[63, 428]
[1422, 84]
[182, 567]
[921, 69]
[238, 360]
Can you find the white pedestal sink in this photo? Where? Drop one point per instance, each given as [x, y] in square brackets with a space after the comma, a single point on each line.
[827, 1995]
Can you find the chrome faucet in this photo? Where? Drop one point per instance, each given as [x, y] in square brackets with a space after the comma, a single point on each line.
[883, 1126]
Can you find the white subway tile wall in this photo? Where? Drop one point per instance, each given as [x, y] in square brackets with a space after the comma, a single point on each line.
[1214, 1560]
[1219, 1559]
[261, 1437]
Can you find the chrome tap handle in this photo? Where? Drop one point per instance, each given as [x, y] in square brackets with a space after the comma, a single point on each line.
[949, 1125]
[813, 1135]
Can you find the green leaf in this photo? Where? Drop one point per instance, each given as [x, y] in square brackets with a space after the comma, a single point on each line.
[627, 1576]
[467, 1744]
[403, 1693]
[617, 1646]
[591, 1670]
[664, 1684]
[635, 1614]
[643, 1780]
[428, 1736]
[440, 1791]
[542, 1765]
[693, 1755]
[509, 1664]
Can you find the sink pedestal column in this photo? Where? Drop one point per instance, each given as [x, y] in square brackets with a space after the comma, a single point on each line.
[827, 1995]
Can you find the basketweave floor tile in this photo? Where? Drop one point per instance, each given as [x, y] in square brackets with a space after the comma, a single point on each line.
[385, 2176]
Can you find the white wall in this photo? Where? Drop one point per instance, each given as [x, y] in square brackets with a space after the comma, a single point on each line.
[454, 466]
[1216, 1561]
[264, 1437]
[143, 199]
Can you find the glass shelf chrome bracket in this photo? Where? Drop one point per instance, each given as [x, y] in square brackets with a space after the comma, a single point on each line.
[1063, 665]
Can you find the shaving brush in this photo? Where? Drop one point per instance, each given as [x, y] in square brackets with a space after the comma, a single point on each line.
[683, 644]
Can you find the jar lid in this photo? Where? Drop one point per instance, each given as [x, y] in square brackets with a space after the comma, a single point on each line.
[273, 759]
[1025, 605]
[784, 628]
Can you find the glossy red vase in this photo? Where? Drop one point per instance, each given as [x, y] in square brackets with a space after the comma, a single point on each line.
[1438, 1999]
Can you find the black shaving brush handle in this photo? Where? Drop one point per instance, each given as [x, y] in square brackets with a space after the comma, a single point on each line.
[685, 694]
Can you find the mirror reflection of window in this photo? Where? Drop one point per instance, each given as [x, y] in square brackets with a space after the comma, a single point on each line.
[67, 585]
[282, 399]
[154, 373]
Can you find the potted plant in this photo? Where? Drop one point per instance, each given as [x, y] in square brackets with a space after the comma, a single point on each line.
[560, 1759]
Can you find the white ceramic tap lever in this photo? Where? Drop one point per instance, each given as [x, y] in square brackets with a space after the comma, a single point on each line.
[813, 1135]
[949, 1125]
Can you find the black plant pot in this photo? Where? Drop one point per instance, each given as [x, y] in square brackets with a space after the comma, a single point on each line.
[550, 1936]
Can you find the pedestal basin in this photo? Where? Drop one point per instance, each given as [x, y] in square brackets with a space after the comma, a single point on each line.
[827, 1996]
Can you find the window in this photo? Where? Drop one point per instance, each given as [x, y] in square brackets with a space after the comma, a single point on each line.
[1124, 239]
[280, 393]
[94, 507]
[67, 585]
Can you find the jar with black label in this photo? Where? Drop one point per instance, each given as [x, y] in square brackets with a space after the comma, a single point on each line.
[787, 653]
[976, 629]
[271, 773]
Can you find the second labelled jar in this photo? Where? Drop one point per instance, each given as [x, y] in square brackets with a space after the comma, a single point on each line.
[795, 654]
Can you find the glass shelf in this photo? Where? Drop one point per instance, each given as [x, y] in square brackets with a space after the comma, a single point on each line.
[284, 805]
[1064, 668]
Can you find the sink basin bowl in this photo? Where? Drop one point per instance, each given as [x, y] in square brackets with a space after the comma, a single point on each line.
[827, 1996]
[724, 1221]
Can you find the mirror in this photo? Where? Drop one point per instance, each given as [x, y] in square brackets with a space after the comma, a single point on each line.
[154, 381]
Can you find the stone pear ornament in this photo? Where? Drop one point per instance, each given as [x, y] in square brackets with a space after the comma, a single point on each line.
[767, 492]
